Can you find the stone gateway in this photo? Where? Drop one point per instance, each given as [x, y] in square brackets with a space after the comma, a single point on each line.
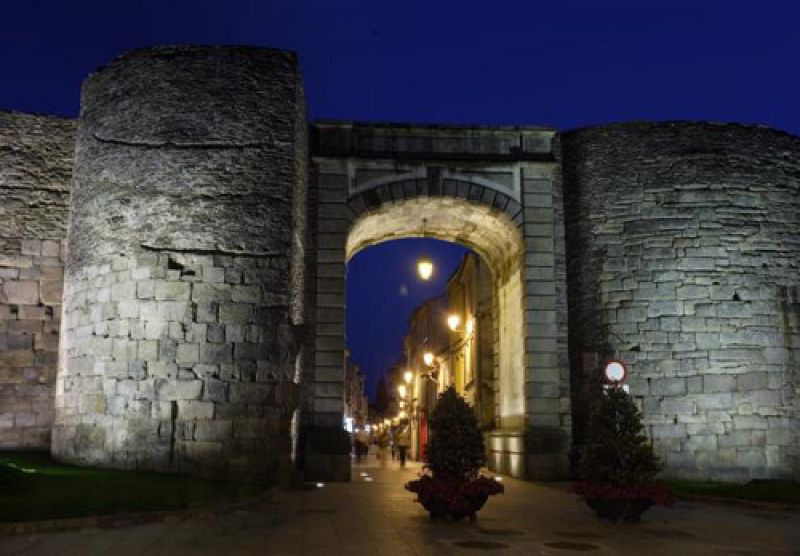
[173, 265]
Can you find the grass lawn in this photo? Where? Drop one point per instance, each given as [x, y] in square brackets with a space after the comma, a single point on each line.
[34, 487]
[783, 492]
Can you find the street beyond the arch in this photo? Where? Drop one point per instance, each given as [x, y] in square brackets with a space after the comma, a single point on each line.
[374, 515]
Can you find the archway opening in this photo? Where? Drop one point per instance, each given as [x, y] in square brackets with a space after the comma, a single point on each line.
[490, 335]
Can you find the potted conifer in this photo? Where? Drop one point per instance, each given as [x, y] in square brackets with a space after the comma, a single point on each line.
[452, 484]
[618, 465]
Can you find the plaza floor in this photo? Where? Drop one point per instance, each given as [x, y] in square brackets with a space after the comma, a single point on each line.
[374, 515]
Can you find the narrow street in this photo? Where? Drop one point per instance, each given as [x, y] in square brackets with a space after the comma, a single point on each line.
[374, 515]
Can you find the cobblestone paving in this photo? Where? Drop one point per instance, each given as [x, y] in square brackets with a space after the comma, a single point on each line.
[374, 515]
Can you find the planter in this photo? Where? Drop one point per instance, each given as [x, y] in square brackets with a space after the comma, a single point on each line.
[619, 510]
[623, 503]
[453, 498]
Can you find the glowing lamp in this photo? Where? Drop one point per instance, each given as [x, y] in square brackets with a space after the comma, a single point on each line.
[425, 268]
[401, 389]
[427, 357]
[453, 321]
[408, 376]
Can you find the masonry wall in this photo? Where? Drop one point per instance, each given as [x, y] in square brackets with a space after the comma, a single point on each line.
[183, 295]
[683, 256]
[35, 167]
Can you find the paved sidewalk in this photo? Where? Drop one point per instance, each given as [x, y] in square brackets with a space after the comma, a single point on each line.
[374, 515]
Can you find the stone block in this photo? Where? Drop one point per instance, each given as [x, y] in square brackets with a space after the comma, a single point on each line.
[123, 291]
[213, 275]
[145, 289]
[189, 410]
[206, 311]
[187, 353]
[128, 309]
[22, 292]
[17, 358]
[215, 353]
[188, 389]
[664, 308]
[31, 312]
[235, 313]
[51, 291]
[213, 430]
[246, 294]
[31, 247]
[172, 291]
[750, 458]
[719, 383]
[215, 292]
[215, 390]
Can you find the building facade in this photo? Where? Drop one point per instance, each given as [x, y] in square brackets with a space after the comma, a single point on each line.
[173, 267]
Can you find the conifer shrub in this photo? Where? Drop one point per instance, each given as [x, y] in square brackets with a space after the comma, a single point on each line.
[618, 461]
[453, 485]
[455, 449]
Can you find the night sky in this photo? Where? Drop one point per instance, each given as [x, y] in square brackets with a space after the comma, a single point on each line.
[566, 64]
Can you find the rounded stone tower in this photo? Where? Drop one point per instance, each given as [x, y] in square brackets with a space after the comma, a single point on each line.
[183, 286]
[683, 257]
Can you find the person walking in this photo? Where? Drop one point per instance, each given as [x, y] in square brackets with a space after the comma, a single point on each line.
[361, 444]
[403, 444]
[383, 448]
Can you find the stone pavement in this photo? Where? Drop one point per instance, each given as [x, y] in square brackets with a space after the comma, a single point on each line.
[374, 515]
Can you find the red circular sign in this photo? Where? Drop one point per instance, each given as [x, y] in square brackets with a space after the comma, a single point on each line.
[616, 371]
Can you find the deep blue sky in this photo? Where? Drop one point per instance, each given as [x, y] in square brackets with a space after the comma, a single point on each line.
[561, 63]
[383, 289]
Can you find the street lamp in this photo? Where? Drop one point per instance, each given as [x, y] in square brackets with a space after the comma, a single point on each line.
[401, 389]
[425, 268]
[453, 321]
[408, 376]
[427, 358]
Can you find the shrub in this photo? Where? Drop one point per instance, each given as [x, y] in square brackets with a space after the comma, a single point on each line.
[455, 449]
[617, 451]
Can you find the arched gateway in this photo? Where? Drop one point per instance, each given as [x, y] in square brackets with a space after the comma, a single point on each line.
[493, 190]
[201, 320]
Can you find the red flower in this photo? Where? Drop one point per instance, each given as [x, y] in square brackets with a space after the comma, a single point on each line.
[454, 496]
[657, 493]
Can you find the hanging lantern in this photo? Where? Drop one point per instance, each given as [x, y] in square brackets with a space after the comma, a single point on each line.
[425, 268]
[427, 358]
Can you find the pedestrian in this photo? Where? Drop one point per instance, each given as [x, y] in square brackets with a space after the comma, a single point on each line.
[403, 444]
[360, 445]
[383, 448]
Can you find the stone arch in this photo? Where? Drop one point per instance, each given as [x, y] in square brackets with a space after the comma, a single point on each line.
[490, 233]
[496, 190]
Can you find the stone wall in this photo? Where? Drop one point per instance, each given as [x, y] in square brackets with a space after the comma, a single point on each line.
[184, 293]
[683, 259]
[35, 167]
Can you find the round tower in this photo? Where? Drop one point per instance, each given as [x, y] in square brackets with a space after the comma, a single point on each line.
[183, 286]
[683, 256]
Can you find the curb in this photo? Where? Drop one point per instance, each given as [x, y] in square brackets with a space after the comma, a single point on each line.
[264, 503]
